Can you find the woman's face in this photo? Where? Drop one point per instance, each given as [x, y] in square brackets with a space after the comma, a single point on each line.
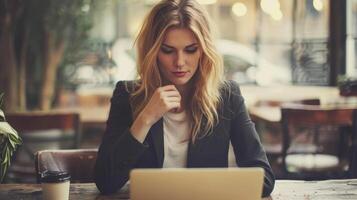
[179, 56]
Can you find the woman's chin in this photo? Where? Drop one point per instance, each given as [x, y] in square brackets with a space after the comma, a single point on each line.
[180, 81]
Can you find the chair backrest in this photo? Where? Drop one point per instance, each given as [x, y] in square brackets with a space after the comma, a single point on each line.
[25, 122]
[79, 163]
[269, 127]
[315, 117]
[41, 130]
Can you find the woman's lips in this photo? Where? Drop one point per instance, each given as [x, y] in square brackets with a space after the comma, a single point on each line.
[179, 74]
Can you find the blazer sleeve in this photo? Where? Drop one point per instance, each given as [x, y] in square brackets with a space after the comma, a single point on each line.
[245, 140]
[119, 150]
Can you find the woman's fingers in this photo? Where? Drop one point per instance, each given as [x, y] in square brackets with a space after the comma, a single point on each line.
[164, 99]
[173, 99]
[171, 94]
[173, 105]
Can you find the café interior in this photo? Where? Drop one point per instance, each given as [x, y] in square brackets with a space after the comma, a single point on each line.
[294, 60]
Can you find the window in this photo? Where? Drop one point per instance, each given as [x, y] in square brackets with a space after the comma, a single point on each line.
[310, 51]
[351, 40]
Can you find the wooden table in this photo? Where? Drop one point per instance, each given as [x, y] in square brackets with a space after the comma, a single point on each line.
[284, 190]
[281, 93]
[272, 114]
[328, 96]
[286, 93]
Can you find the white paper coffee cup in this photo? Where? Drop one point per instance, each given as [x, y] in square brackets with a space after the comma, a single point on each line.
[55, 185]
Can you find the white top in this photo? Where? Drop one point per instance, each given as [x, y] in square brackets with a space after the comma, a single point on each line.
[176, 138]
[177, 130]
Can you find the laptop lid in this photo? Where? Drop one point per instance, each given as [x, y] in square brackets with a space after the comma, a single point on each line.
[196, 183]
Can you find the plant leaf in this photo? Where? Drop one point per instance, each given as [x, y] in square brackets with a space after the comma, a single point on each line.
[6, 129]
[4, 153]
[2, 116]
[1, 99]
[9, 140]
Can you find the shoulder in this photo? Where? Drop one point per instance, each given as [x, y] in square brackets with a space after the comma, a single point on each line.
[230, 89]
[125, 87]
[122, 91]
[231, 97]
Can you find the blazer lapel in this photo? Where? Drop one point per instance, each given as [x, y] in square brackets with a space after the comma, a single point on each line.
[190, 152]
[158, 141]
[193, 153]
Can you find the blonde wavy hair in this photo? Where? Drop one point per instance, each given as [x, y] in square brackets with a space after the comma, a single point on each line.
[209, 75]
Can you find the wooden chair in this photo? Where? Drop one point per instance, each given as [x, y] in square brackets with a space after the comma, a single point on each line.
[79, 163]
[325, 145]
[271, 132]
[352, 171]
[41, 130]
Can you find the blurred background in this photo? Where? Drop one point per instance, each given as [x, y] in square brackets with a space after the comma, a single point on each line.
[53, 51]
[66, 56]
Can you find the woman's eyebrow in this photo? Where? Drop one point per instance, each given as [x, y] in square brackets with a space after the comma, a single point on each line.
[168, 46]
[190, 45]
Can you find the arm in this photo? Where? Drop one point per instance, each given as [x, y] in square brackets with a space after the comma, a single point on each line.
[245, 140]
[122, 144]
[119, 150]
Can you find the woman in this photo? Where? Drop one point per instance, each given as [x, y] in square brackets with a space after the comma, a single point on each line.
[181, 112]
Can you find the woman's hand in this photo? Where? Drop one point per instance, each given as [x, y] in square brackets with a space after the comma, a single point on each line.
[163, 100]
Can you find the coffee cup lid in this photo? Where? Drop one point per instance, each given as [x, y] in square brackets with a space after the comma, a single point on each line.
[54, 176]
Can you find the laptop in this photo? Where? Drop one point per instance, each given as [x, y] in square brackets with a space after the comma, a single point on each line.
[196, 183]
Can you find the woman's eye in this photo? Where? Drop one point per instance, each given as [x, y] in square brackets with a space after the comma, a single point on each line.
[191, 49]
[166, 50]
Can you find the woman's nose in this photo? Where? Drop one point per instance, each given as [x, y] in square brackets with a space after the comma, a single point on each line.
[180, 62]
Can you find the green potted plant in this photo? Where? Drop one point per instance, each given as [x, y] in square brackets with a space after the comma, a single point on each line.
[9, 141]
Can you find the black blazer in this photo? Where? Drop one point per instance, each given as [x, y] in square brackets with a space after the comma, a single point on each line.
[120, 151]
